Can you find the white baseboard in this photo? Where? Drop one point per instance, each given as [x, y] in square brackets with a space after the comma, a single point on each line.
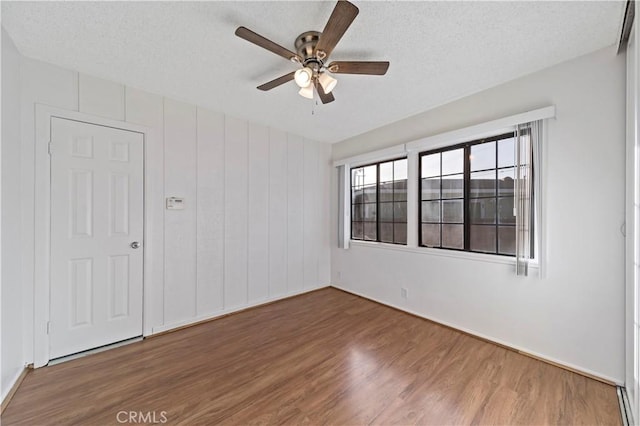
[11, 390]
[525, 351]
[223, 312]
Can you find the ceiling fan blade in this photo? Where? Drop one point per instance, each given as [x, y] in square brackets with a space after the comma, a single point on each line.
[324, 97]
[265, 43]
[277, 82]
[358, 67]
[342, 16]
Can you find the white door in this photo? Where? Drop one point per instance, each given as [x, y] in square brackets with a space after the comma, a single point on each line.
[96, 236]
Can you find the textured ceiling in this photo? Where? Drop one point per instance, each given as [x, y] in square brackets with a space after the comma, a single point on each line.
[439, 51]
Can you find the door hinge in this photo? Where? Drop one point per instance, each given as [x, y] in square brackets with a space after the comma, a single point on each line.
[49, 150]
[48, 326]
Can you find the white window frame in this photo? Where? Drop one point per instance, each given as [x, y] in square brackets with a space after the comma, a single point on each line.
[411, 150]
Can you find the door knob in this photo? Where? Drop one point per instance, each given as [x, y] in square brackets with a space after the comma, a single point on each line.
[135, 245]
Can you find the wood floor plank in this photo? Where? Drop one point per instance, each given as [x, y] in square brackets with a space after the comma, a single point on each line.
[325, 357]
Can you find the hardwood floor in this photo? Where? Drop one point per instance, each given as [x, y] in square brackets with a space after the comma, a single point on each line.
[325, 357]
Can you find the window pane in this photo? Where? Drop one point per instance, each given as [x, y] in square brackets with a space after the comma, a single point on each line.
[506, 152]
[357, 177]
[386, 212]
[357, 230]
[400, 190]
[386, 232]
[386, 172]
[452, 161]
[507, 239]
[369, 194]
[379, 198]
[505, 210]
[357, 213]
[483, 238]
[400, 233]
[453, 236]
[370, 231]
[453, 186]
[431, 235]
[455, 189]
[357, 195]
[386, 191]
[483, 156]
[430, 165]
[370, 175]
[400, 169]
[506, 183]
[483, 184]
[431, 211]
[369, 212]
[400, 212]
[452, 211]
[482, 210]
[430, 188]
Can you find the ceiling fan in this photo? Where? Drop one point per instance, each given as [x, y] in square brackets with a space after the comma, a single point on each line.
[312, 52]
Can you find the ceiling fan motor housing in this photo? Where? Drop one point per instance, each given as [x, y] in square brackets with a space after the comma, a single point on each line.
[305, 47]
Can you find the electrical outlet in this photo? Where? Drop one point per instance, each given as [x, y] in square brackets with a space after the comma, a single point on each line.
[404, 293]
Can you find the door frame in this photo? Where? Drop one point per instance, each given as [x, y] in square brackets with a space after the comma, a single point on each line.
[632, 224]
[42, 221]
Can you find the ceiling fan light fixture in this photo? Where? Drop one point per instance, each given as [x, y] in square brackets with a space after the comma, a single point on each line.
[303, 77]
[327, 82]
[306, 92]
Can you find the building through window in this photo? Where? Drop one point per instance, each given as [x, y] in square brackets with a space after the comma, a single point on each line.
[467, 196]
[379, 202]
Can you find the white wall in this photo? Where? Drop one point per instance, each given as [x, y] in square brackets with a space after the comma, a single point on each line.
[575, 315]
[11, 359]
[250, 203]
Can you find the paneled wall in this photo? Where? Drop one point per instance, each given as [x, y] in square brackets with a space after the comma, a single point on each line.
[254, 226]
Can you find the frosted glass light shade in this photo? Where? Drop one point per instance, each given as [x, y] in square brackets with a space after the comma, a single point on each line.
[303, 77]
[306, 92]
[327, 82]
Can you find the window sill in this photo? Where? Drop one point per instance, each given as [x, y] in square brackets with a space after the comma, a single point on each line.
[477, 257]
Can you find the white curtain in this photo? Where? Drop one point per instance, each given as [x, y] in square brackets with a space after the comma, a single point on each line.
[344, 206]
[527, 186]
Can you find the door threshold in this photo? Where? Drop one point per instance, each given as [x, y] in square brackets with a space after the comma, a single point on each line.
[66, 358]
